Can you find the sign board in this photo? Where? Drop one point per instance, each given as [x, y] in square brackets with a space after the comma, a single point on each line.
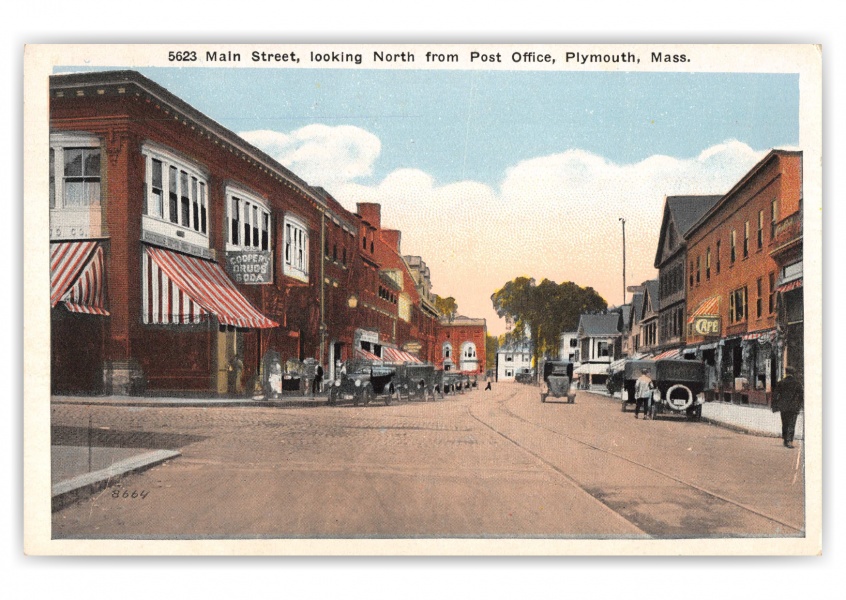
[371, 337]
[250, 267]
[705, 325]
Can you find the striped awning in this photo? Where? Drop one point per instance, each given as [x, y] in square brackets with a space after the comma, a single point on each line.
[180, 289]
[674, 353]
[790, 285]
[360, 353]
[763, 336]
[709, 306]
[396, 355]
[77, 277]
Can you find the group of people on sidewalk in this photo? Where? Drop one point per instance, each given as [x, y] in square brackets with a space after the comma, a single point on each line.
[788, 399]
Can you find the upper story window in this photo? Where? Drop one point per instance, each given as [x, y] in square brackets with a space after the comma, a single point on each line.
[708, 263]
[760, 229]
[447, 350]
[718, 257]
[737, 305]
[176, 191]
[295, 253]
[733, 245]
[773, 218]
[74, 171]
[469, 350]
[746, 239]
[248, 220]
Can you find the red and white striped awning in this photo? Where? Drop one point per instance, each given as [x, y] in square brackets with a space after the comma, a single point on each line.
[709, 306]
[361, 353]
[674, 353]
[77, 276]
[790, 285]
[180, 289]
[764, 336]
[395, 355]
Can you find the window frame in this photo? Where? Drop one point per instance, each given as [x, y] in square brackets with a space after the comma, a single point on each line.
[177, 205]
[60, 144]
[254, 220]
[295, 248]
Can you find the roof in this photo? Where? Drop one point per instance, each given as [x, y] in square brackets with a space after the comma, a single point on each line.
[654, 297]
[118, 80]
[683, 212]
[599, 325]
[515, 347]
[637, 307]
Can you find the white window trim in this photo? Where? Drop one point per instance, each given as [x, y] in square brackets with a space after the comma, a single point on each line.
[169, 160]
[293, 226]
[246, 216]
[58, 143]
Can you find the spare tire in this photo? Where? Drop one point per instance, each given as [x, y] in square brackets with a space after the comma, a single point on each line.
[679, 403]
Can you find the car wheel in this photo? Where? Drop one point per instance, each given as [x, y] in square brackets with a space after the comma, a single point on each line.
[368, 396]
[543, 397]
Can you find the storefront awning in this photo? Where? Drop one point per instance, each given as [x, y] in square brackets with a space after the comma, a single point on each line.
[789, 286]
[76, 277]
[592, 369]
[180, 289]
[618, 365]
[396, 355]
[761, 336]
[674, 353]
[364, 354]
[708, 307]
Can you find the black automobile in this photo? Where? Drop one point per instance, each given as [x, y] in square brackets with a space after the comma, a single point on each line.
[452, 383]
[364, 382]
[679, 385]
[525, 375]
[415, 381]
[557, 380]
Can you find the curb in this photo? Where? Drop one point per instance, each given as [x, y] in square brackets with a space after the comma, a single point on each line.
[76, 488]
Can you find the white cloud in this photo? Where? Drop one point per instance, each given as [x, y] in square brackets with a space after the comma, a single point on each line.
[320, 154]
[553, 216]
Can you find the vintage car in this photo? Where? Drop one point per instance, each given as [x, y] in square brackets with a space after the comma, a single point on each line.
[452, 383]
[557, 380]
[415, 381]
[363, 382]
[525, 375]
[679, 385]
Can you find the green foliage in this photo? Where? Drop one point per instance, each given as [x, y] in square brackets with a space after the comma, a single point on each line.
[491, 346]
[544, 310]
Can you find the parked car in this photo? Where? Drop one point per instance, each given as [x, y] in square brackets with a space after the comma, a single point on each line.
[557, 380]
[363, 382]
[525, 375]
[415, 381]
[452, 383]
[679, 385]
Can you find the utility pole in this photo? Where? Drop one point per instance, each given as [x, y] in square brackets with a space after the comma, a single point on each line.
[623, 221]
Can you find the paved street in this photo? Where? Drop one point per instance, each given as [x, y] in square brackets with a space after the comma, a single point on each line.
[496, 463]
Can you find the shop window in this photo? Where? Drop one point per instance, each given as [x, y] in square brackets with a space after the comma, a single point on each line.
[296, 255]
[176, 191]
[249, 221]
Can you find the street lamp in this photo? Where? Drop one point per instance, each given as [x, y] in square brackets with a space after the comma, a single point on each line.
[623, 221]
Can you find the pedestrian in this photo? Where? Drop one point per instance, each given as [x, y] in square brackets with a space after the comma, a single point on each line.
[488, 382]
[788, 399]
[643, 393]
[318, 379]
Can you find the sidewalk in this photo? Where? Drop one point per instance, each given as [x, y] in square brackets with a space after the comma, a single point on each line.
[752, 420]
[153, 401]
[77, 472]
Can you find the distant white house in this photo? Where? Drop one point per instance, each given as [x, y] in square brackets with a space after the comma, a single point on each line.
[600, 344]
[569, 347]
[512, 359]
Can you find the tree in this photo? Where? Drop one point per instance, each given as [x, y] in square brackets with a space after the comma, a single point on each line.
[448, 307]
[491, 346]
[543, 311]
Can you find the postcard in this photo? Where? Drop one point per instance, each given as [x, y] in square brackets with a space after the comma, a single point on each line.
[424, 299]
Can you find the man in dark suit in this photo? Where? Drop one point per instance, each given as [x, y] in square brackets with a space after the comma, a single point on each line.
[788, 399]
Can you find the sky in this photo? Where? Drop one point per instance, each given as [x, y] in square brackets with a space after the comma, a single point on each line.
[495, 174]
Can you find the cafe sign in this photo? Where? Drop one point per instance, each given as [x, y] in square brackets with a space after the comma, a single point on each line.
[249, 267]
[705, 325]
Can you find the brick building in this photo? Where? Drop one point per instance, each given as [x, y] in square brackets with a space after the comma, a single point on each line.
[731, 305]
[460, 344]
[181, 254]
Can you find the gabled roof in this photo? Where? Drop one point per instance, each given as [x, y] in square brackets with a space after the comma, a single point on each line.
[682, 212]
[637, 307]
[599, 325]
[651, 298]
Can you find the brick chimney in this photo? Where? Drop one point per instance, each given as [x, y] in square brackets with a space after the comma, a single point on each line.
[392, 238]
[371, 212]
